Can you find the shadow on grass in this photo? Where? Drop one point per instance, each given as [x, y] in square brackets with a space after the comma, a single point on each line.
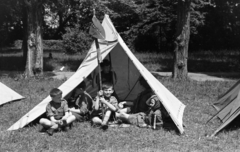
[212, 66]
[11, 63]
[10, 50]
[16, 63]
[169, 125]
[234, 125]
[15, 50]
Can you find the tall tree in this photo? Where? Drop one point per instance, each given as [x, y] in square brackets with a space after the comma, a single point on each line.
[32, 41]
[188, 12]
[182, 39]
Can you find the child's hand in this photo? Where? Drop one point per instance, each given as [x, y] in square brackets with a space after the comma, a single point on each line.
[100, 93]
[121, 104]
[102, 100]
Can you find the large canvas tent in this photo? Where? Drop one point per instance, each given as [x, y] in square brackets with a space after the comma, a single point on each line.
[128, 70]
[8, 95]
[227, 106]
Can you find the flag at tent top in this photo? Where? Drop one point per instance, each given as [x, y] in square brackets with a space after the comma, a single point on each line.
[96, 29]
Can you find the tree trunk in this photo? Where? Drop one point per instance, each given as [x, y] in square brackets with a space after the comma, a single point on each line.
[33, 36]
[181, 41]
[25, 35]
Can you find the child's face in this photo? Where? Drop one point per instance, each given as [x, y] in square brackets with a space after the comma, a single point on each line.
[108, 92]
[106, 69]
[151, 102]
[57, 98]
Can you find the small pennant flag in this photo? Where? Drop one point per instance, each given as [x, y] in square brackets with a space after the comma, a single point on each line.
[96, 29]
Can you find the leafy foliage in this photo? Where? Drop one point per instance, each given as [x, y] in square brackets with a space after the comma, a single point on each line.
[75, 40]
[221, 29]
[147, 25]
[10, 21]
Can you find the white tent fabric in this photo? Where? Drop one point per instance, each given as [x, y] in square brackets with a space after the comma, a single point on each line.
[127, 68]
[227, 106]
[7, 94]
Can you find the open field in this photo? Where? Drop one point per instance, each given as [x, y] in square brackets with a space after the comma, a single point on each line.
[197, 96]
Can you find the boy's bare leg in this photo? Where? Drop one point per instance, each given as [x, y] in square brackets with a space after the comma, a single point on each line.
[70, 119]
[96, 120]
[106, 117]
[122, 116]
[124, 110]
[48, 124]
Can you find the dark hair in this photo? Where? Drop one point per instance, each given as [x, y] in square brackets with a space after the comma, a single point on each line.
[55, 91]
[82, 85]
[105, 62]
[107, 85]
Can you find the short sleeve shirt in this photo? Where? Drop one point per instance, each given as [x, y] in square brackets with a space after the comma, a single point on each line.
[57, 110]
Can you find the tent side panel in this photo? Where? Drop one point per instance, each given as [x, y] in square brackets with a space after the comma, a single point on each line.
[229, 120]
[174, 107]
[127, 75]
[228, 97]
[8, 94]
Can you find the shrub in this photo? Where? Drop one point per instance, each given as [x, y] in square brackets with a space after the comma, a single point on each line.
[75, 40]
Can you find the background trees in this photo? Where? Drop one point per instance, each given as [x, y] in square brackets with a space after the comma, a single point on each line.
[149, 25]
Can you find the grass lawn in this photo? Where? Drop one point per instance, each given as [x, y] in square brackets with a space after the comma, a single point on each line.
[197, 96]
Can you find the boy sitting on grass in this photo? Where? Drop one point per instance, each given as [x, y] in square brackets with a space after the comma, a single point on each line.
[80, 104]
[57, 113]
[145, 109]
[105, 104]
[107, 75]
[154, 117]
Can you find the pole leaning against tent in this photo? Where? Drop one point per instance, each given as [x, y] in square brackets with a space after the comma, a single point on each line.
[97, 31]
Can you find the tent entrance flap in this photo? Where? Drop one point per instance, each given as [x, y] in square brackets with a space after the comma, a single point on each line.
[126, 72]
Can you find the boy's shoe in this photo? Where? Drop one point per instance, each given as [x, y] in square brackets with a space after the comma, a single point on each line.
[70, 126]
[64, 128]
[124, 125]
[50, 131]
[143, 125]
[64, 123]
[104, 127]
